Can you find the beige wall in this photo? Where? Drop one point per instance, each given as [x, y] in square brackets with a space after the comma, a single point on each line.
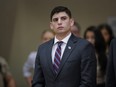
[7, 19]
[22, 21]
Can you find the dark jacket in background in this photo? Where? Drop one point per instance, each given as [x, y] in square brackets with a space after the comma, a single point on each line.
[111, 68]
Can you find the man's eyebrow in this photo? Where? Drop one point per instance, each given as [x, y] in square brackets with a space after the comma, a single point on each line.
[60, 17]
[54, 17]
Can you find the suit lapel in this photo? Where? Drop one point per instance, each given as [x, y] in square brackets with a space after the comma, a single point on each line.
[49, 57]
[69, 48]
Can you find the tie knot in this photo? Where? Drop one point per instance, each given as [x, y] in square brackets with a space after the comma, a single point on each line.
[60, 43]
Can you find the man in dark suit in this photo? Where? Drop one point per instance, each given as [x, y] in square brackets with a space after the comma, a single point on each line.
[111, 68]
[66, 60]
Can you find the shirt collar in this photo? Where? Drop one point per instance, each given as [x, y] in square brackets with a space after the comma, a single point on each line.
[65, 40]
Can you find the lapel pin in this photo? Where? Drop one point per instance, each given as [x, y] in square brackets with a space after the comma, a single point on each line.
[69, 47]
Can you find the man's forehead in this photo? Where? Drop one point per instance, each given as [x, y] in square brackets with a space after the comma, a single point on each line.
[60, 14]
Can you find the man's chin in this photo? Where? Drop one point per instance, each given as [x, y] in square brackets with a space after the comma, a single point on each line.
[61, 32]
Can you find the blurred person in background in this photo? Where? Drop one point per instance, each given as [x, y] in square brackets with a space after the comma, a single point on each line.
[76, 29]
[6, 78]
[95, 37]
[111, 68]
[30, 62]
[107, 33]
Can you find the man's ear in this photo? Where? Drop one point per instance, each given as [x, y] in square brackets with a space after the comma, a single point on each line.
[51, 26]
[72, 21]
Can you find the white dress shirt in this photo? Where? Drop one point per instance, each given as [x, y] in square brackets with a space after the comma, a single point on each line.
[63, 46]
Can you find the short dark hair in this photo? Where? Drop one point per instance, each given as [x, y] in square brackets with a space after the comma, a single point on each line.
[60, 9]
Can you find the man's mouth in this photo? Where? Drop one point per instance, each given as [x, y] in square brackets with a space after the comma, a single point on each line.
[60, 27]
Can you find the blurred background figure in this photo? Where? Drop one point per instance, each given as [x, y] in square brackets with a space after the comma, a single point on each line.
[107, 33]
[95, 37]
[89, 34]
[6, 79]
[76, 29]
[30, 63]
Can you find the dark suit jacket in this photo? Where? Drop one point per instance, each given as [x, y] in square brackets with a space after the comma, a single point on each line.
[77, 68]
[111, 68]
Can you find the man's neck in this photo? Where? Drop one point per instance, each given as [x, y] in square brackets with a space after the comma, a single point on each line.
[62, 36]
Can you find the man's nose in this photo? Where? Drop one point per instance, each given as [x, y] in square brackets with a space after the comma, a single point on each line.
[59, 21]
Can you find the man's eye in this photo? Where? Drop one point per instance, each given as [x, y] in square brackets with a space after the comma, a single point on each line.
[55, 19]
[63, 18]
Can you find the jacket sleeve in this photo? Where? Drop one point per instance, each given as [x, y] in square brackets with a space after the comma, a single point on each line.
[88, 67]
[38, 78]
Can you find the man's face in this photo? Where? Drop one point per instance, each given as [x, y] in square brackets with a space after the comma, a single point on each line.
[47, 36]
[61, 23]
[75, 31]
